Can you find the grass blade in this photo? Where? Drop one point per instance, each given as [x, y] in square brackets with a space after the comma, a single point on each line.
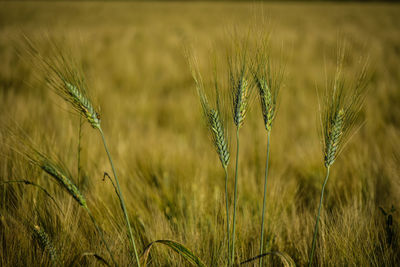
[178, 248]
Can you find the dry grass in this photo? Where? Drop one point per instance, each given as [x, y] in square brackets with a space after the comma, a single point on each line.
[132, 55]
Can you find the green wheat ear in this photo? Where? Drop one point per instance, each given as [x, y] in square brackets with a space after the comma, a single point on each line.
[268, 79]
[212, 115]
[62, 180]
[59, 175]
[66, 79]
[240, 101]
[267, 104]
[83, 104]
[333, 138]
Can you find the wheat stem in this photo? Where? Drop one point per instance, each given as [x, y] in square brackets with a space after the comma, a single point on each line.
[235, 195]
[317, 221]
[79, 148]
[265, 199]
[227, 213]
[121, 199]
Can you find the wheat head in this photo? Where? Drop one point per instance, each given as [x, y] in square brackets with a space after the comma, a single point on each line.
[45, 242]
[240, 100]
[342, 103]
[65, 78]
[213, 118]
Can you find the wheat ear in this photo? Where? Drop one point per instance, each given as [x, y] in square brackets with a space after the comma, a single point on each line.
[342, 104]
[45, 243]
[216, 127]
[240, 95]
[268, 82]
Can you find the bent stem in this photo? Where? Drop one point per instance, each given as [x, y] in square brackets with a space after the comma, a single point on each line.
[264, 200]
[227, 212]
[316, 223]
[36, 185]
[101, 235]
[121, 199]
[235, 195]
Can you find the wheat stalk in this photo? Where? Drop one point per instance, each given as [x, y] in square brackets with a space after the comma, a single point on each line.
[68, 82]
[342, 103]
[268, 82]
[216, 127]
[239, 67]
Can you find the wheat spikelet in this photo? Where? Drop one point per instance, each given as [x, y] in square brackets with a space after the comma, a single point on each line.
[82, 104]
[63, 180]
[218, 136]
[45, 243]
[268, 78]
[333, 138]
[240, 102]
[342, 103]
[213, 118]
[267, 103]
[25, 146]
[66, 79]
[239, 65]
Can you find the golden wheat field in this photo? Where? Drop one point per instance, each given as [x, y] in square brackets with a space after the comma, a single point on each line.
[133, 57]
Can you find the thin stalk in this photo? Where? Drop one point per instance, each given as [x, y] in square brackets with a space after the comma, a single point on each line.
[101, 235]
[316, 223]
[79, 149]
[227, 213]
[235, 195]
[121, 199]
[265, 199]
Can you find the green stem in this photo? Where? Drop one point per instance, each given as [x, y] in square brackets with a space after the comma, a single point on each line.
[227, 212]
[264, 200]
[79, 149]
[121, 199]
[316, 223]
[101, 235]
[235, 195]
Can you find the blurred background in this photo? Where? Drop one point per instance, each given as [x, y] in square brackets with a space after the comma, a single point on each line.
[132, 54]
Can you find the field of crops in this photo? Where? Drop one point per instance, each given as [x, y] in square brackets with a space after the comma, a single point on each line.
[135, 58]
